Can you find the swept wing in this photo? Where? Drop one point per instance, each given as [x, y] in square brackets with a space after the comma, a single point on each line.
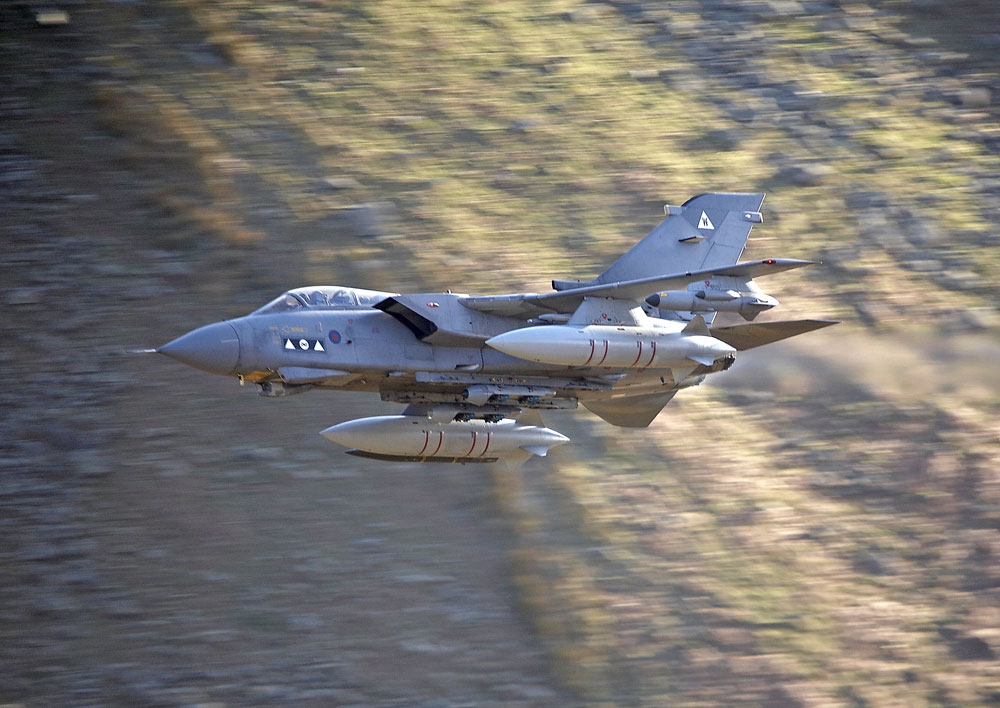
[526, 305]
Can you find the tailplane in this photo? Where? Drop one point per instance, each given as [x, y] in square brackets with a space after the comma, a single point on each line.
[630, 412]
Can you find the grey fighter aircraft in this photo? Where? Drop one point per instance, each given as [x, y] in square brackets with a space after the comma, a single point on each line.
[474, 370]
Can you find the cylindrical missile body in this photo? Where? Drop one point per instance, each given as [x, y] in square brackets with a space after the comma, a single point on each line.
[609, 346]
[417, 438]
[714, 295]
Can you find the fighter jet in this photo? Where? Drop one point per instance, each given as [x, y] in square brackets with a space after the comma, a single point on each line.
[474, 371]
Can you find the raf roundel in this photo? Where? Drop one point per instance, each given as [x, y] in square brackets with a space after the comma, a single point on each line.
[335, 336]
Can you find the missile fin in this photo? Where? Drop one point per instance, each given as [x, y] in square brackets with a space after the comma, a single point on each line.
[515, 460]
[697, 326]
[703, 359]
[540, 450]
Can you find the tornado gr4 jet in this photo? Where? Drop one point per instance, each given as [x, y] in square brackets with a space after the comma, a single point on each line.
[474, 371]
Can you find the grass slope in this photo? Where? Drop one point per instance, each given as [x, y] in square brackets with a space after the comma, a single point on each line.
[821, 530]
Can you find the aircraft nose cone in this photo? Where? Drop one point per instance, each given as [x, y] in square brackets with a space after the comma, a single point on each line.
[214, 348]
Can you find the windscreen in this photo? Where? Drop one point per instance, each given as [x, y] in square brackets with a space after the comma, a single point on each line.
[326, 297]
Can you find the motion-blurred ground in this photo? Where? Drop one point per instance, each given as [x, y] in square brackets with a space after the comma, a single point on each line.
[818, 527]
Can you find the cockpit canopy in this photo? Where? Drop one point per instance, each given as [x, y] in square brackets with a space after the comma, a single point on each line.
[323, 297]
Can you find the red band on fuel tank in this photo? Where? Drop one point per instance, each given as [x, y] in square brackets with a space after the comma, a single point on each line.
[637, 355]
[605, 353]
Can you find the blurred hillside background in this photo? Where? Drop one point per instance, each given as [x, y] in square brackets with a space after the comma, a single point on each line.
[820, 526]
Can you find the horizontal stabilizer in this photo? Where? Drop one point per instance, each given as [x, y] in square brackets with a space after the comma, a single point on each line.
[631, 411]
[748, 336]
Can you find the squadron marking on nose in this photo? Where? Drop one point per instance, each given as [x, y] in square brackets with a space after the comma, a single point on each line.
[303, 345]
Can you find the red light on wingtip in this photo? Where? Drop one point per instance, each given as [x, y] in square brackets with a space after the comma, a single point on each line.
[770, 261]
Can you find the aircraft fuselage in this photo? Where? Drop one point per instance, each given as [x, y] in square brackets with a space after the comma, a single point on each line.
[465, 365]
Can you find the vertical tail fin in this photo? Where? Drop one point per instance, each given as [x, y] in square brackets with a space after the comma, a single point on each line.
[709, 230]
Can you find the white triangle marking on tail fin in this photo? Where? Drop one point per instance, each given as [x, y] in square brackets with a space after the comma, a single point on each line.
[705, 223]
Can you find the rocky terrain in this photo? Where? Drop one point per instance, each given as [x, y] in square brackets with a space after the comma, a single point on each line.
[820, 526]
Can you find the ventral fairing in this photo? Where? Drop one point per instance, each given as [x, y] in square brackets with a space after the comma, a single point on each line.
[473, 371]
